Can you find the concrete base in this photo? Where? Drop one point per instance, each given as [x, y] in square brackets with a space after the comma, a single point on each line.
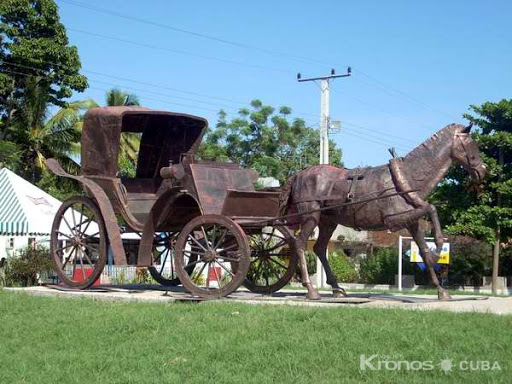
[147, 293]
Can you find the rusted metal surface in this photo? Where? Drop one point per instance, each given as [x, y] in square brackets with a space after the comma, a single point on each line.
[212, 182]
[165, 137]
[318, 195]
[222, 250]
[107, 212]
[251, 205]
[79, 254]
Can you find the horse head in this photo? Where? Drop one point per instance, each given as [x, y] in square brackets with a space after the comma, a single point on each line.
[465, 152]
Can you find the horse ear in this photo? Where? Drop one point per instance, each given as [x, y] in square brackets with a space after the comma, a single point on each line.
[467, 129]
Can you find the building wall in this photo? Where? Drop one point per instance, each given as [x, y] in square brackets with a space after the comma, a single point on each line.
[10, 244]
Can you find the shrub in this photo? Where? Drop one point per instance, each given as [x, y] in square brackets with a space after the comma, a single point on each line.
[381, 267]
[25, 266]
[342, 267]
[142, 276]
[471, 259]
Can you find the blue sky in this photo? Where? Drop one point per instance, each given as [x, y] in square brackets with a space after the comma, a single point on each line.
[417, 66]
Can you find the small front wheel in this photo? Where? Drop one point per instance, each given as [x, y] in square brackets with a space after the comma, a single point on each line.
[78, 242]
[273, 260]
[223, 256]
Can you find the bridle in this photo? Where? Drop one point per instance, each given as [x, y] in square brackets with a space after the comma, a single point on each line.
[473, 163]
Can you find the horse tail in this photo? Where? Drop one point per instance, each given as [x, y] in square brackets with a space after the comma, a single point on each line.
[284, 197]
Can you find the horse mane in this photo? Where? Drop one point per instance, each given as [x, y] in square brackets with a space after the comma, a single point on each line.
[448, 131]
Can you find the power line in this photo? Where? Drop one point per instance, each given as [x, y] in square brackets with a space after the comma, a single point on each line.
[379, 83]
[255, 66]
[372, 106]
[365, 138]
[378, 132]
[355, 130]
[396, 93]
[192, 33]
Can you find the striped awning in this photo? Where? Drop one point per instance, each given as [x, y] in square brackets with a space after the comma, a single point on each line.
[24, 208]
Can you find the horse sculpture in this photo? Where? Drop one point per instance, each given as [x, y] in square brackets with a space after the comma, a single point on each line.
[392, 198]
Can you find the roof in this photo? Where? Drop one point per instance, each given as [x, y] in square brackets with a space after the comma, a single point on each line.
[24, 208]
[165, 136]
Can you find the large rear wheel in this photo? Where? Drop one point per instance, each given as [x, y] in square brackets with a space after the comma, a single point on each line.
[78, 242]
[222, 251]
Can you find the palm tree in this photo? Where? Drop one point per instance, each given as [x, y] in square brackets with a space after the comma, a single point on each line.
[130, 142]
[117, 98]
[40, 136]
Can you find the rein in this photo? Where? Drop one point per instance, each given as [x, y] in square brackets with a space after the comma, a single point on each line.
[282, 219]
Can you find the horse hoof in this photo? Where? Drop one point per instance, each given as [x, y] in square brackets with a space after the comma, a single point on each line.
[443, 295]
[339, 293]
[313, 295]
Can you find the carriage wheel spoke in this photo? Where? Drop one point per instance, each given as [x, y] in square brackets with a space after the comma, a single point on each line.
[69, 257]
[227, 270]
[81, 263]
[276, 246]
[88, 246]
[213, 233]
[88, 221]
[205, 238]
[193, 252]
[74, 219]
[193, 263]
[64, 247]
[63, 234]
[87, 257]
[278, 263]
[90, 236]
[197, 242]
[69, 226]
[81, 216]
[221, 239]
[225, 258]
[230, 247]
[162, 262]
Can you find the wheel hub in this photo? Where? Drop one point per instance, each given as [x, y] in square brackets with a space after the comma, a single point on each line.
[210, 255]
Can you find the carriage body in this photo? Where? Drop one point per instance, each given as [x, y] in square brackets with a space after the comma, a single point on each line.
[169, 189]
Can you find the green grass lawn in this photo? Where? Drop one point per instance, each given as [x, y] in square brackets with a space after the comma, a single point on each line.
[55, 340]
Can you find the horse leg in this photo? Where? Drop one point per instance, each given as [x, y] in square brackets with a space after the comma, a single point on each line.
[326, 228]
[430, 259]
[438, 233]
[306, 230]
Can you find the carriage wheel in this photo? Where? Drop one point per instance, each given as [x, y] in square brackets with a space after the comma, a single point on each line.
[78, 242]
[164, 265]
[222, 252]
[273, 260]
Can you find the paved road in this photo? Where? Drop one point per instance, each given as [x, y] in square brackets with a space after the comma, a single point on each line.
[496, 305]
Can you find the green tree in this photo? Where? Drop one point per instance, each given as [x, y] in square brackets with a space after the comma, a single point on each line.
[130, 142]
[9, 155]
[40, 136]
[268, 141]
[33, 43]
[486, 215]
[118, 98]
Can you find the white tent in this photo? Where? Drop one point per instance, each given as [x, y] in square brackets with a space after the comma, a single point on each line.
[25, 210]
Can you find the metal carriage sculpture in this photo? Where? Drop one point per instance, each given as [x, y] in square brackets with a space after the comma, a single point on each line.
[203, 223]
[198, 223]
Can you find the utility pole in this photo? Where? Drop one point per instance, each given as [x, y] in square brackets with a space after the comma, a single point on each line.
[324, 110]
[324, 138]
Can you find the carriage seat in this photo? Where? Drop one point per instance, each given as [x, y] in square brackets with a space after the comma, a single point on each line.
[141, 194]
[139, 185]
